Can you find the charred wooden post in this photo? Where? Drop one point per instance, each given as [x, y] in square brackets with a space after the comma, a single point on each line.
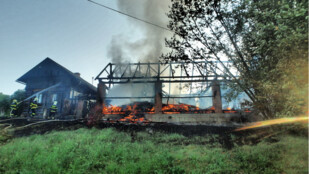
[158, 97]
[216, 96]
[101, 93]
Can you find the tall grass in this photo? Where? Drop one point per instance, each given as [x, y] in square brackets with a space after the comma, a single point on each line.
[110, 151]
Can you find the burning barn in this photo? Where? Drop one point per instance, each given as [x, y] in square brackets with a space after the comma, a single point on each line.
[49, 82]
[158, 92]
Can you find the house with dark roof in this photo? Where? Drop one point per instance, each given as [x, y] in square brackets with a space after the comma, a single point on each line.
[49, 82]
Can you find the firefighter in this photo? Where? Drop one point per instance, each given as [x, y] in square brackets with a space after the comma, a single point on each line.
[34, 106]
[13, 112]
[53, 110]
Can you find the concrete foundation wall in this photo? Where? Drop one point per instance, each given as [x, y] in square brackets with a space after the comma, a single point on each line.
[215, 119]
[219, 119]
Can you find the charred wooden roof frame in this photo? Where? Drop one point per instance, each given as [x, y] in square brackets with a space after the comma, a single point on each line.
[119, 73]
[196, 71]
[158, 73]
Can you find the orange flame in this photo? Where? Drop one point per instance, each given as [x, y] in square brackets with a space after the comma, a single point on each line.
[229, 110]
[273, 122]
[112, 110]
[135, 111]
[177, 108]
[167, 109]
[180, 108]
[133, 119]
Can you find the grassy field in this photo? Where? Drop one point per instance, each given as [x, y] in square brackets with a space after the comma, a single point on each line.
[111, 151]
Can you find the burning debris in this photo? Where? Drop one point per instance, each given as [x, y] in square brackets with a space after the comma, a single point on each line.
[135, 112]
[136, 108]
[143, 113]
[139, 109]
[146, 107]
[132, 118]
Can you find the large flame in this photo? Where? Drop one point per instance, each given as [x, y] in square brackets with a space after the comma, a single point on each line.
[170, 108]
[125, 110]
[273, 122]
[135, 111]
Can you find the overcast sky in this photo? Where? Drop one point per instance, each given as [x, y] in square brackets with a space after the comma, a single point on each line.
[74, 33]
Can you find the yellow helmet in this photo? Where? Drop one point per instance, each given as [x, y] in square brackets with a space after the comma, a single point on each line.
[15, 100]
[35, 99]
[55, 102]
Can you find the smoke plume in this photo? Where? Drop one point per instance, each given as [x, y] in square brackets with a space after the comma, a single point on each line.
[148, 47]
[151, 44]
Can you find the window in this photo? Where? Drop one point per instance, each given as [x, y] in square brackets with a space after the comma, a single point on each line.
[71, 94]
[40, 96]
[74, 94]
[54, 98]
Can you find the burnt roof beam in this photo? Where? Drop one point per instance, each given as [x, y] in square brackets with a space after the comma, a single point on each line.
[103, 71]
[123, 73]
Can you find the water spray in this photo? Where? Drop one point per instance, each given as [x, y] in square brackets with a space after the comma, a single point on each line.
[40, 92]
[274, 122]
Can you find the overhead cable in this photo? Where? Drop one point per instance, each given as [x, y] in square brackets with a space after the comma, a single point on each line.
[136, 18]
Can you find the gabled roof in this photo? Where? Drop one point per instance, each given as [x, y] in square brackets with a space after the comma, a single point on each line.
[48, 63]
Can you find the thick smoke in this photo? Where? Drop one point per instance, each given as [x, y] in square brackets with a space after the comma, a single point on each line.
[116, 52]
[151, 44]
[147, 48]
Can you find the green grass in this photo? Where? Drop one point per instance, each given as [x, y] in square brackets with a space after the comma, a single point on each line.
[111, 151]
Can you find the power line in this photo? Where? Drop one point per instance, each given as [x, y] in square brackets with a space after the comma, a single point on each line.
[142, 20]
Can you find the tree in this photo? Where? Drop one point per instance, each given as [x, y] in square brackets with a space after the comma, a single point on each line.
[260, 38]
[4, 104]
[19, 95]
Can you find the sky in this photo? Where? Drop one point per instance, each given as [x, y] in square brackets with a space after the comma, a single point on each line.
[75, 33]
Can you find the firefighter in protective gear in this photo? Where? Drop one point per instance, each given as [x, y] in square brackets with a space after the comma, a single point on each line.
[13, 112]
[53, 110]
[34, 106]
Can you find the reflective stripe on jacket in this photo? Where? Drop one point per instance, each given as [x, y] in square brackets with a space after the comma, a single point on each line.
[33, 106]
[53, 108]
[14, 106]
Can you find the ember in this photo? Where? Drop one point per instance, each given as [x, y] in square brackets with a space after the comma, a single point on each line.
[229, 110]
